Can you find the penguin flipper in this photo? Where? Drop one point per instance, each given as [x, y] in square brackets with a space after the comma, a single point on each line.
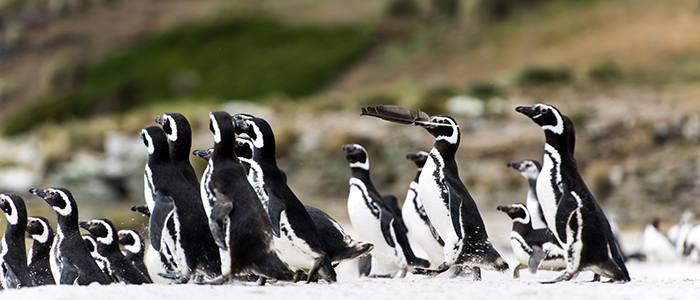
[162, 210]
[69, 273]
[11, 281]
[567, 205]
[535, 259]
[385, 223]
[219, 213]
[275, 206]
[455, 202]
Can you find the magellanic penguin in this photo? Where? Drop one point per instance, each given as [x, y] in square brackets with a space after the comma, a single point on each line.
[339, 245]
[421, 232]
[533, 248]
[656, 247]
[238, 220]
[179, 229]
[530, 170]
[296, 237]
[14, 272]
[579, 223]
[179, 133]
[449, 205]
[101, 261]
[375, 222]
[39, 229]
[679, 231]
[108, 246]
[134, 248]
[71, 262]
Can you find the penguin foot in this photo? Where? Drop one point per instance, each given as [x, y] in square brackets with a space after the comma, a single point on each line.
[175, 276]
[476, 271]
[218, 280]
[564, 277]
[262, 281]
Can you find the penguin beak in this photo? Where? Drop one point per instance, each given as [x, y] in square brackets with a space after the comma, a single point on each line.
[513, 165]
[160, 120]
[200, 153]
[84, 225]
[239, 122]
[527, 110]
[39, 192]
[502, 208]
[411, 156]
[348, 148]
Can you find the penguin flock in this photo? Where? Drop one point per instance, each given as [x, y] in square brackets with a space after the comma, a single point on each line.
[242, 222]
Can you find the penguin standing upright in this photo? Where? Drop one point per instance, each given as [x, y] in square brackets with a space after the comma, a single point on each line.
[450, 206]
[14, 272]
[338, 244]
[71, 261]
[375, 222]
[296, 237]
[238, 221]
[533, 248]
[421, 232]
[578, 221]
[179, 133]
[178, 225]
[100, 260]
[530, 169]
[39, 229]
[108, 246]
[133, 248]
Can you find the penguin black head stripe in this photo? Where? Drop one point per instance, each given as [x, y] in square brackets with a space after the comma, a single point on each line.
[155, 140]
[101, 229]
[257, 129]
[91, 244]
[38, 228]
[356, 156]
[169, 126]
[204, 154]
[419, 158]
[58, 198]
[9, 206]
[244, 147]
[443, 128]
[517, 212]
[547, 116]
[130, 239]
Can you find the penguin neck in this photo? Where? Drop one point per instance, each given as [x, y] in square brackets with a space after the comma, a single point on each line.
[15, 232]
[415, 179]
[180, 149]
[532, 183]
[561, 143]
[159, 158]
[363, 175]
[521, 227]
[40, 249]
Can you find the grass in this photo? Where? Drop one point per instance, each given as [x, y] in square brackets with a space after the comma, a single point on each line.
[221, 59]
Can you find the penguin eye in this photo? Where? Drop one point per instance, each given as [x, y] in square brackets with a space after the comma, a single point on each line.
[543, 110]
[52, 193]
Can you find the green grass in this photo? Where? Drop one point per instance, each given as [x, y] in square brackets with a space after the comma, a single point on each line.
[222, 59]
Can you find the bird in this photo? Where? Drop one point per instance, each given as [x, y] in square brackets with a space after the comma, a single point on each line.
[375, 222]
[238, 220]
[656, 247]
[530, 169]
[134, 248]
[571, 211]
[296, 237]
[178, 226]
[421, 232]
[179, 133]
[533, 248]
[39, 229]
[101, 261]
[70, 260]
[14, 272]
[120, 267]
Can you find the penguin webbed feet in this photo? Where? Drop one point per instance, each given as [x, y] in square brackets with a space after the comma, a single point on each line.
[176, 276]
[564, 277]
[431, 272]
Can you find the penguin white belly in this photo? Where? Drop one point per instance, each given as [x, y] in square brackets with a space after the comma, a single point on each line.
[545, 191]
[257, 181]
[533, 206]
[521, 249]
[207, 197]
[291, 249]
[148, 188]
[3, 277]
[225, 255]
[420, 235]
[554, 259]
[368, 228]
[55, 255]
[657, 247]
[154, 265]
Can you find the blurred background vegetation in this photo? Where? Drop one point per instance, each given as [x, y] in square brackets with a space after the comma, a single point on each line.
[80, 78]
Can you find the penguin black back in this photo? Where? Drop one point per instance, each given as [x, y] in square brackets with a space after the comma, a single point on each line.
[179, 134]
[13, 253]
[39, 229]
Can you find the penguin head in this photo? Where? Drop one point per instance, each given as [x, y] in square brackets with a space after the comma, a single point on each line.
[257, 129]
[156, 141]
[517, 211]
[175, 126]
[91, 244]
[528, 168]
[244, 147]
[130, 239]
[547, 116]
[419, 158]
[101, 229]
[221, 126]
[13, 206]
[39, 229]
[59, 198]
[204, 154]
[357, 156]
[443, 128]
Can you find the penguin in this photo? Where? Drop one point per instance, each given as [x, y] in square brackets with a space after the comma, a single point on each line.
[238, 220]
[39, 229]
[133, 248]
[296, 237]
[691, 246]
[179, 229]
[579, 223]
[449, 205]
[657, 248]
[375, 222]
[530, 169]
[338, 244]
[533, 248]
[108, 246]
[101, 261]
[70, 259]
[421, 233]
[679, 232]
[14, 272]
[179, 133]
